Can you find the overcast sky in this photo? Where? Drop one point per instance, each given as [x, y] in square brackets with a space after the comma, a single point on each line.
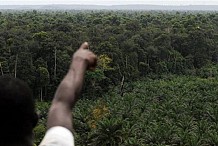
[110, 2]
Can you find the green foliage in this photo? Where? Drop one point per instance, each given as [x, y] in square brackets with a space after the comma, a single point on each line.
[209, 71]
[108, 133]
[42, 110]
[39, 133]
[42, 79]
[95, 79]
[129, 44]
[159, 109]
[43, 76]
[40, 129]
[172, 110]
[40, 36]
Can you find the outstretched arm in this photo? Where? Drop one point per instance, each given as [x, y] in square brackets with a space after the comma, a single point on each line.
[60, 113]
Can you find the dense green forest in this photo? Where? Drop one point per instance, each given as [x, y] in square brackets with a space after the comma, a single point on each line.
[157, 77]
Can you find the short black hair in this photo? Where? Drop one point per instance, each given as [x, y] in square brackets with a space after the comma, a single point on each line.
[17, 111]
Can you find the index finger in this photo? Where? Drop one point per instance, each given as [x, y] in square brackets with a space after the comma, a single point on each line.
[85, 45]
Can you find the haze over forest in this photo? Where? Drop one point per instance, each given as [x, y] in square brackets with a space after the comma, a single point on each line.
[111, 7]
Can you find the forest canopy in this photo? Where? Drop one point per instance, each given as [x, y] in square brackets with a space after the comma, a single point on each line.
[159, 48]
[37, 46]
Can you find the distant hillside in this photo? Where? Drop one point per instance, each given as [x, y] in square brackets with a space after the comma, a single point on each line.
[113, 7]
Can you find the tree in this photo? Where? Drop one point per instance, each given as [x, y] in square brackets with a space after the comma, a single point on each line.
[97, 81]
[109, 133]
[42, 80]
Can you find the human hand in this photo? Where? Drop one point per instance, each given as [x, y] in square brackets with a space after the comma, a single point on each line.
[84, 57]
[67, 93]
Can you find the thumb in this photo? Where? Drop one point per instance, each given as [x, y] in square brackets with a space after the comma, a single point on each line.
[85, 45]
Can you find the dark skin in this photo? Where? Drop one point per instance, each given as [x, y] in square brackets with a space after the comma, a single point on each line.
[67, 93]
[60, 111]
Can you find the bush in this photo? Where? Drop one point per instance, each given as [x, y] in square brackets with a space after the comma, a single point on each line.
[39, 133]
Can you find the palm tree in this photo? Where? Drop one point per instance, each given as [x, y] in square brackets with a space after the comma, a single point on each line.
[108, 133]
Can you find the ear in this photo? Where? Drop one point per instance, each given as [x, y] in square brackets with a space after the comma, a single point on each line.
[35, 119]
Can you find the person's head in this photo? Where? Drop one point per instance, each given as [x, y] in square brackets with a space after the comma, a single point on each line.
[17, 112]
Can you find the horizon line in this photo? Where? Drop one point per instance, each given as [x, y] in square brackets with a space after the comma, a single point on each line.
[110, 4]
